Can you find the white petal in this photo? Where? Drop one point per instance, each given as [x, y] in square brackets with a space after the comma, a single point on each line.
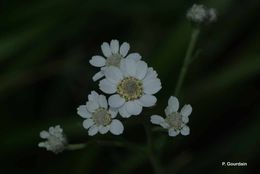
[167, 111]
[88, 123]
[157, 119]
[102, 101]
[173, 104]
[134, 56]
[123, 112]
[141, 70]
[97, 61]
[82, 111]
[113, 74]
[44, 134]
[124, 49]
[115, 101]
[98, 76]
[107, 87]
[185, 130]
[186, 110]
[116, 127]
[133, 107]
[104, 129]
[93, 96]
[114, 46]
[113, 112]
[152, 86]
[130, 66]
[93, 130]
[92, 106]
[185, 119]
[173, 132]
[151, 74]
[147, 100]
[106, 49]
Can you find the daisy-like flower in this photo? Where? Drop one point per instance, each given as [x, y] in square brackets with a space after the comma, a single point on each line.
[133, 86]
[175, 121]
[56, 140]
[98, 117]
[113, 53]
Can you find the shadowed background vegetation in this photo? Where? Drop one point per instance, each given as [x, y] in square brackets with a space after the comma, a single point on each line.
[45, 47]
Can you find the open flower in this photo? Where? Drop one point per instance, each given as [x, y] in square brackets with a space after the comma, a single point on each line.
[98, 117]
[56, 140]
[132, 86]
[113, 55]
[175, 121]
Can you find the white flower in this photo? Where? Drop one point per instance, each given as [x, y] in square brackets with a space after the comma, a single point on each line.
[98, 117]
[56, 140]
[175, 121]
[132, 86]
[113, 55]
[201, 14]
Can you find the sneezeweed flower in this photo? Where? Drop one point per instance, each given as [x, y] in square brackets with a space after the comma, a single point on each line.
[113, 53]
[133, 86]
[98, 117]
[200, 14]
[56, 140]
[175, 121]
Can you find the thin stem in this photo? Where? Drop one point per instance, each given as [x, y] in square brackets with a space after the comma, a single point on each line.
[152, 157]
[187, 59]
[76, 146]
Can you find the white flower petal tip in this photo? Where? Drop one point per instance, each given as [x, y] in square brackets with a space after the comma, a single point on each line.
[99, 118]
[116, 127]
[55, 139]
[97, 61]
[175, 121]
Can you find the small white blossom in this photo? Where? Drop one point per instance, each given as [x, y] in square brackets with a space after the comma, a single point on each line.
[98, 117]
[133, 86]
[56, 140]
[175, 121]
[113, 53]
[201, 14]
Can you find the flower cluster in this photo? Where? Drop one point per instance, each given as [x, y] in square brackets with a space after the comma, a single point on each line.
[129, 83]
[200, 14]
[175, 121]
[56, 140]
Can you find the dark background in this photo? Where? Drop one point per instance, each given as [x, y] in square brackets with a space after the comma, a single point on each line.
[45, 47]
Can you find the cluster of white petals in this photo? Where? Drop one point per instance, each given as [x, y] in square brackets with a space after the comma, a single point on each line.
[175, 121]
[113, 54]
[56, 140]
[201, 14]
[132, 86]
[99, 117]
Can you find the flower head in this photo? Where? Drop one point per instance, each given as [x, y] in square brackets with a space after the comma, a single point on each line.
[56, 140]
[201, 14]
[113, 54]
[133, 86]
[98, 117]
[175, 121]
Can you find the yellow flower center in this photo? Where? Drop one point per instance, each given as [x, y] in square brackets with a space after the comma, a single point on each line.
[114, 60]
[130, 88]
[175, 120]
[101, 117]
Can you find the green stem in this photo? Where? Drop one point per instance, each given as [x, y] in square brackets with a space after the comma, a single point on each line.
[187, 59]
[152, 157]
[75, 146]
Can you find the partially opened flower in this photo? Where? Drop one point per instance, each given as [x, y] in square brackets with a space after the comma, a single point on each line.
[98, 117]
[133, 86]
[175, 121]
[201, 14]
[113, 53]
[56, 140]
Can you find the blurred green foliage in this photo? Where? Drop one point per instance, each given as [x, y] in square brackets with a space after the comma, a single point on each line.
[45, 47]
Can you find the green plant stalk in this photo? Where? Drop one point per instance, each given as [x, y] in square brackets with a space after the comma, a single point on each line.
[152, 157]
[187, 59]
